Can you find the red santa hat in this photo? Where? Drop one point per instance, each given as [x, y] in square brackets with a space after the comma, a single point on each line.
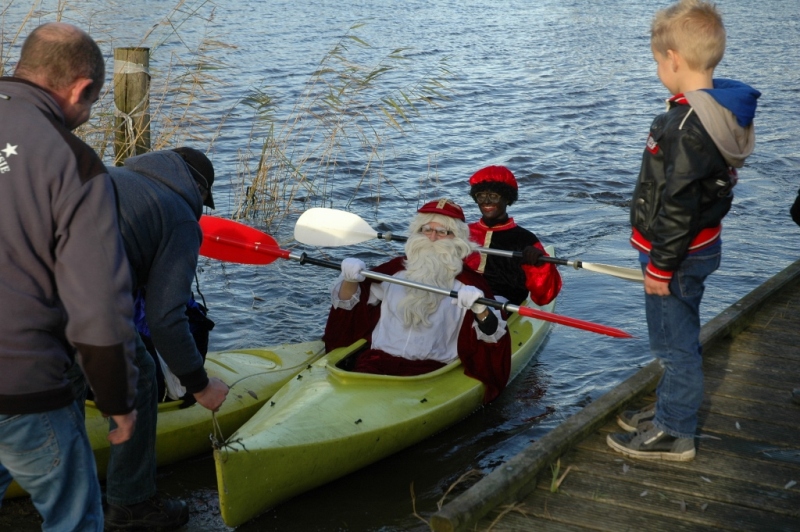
[445, 207]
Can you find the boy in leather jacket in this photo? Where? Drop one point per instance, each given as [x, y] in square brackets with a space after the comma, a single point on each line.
[684, 189]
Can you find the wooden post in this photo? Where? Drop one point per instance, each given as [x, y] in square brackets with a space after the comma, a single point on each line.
[132, 102]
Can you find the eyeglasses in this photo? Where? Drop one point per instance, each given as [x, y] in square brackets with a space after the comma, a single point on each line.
[488, 197]
[441, 232]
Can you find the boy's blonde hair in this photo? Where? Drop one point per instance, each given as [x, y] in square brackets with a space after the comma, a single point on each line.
[694, 29]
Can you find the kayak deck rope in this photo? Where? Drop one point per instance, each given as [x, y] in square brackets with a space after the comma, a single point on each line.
[218, 441]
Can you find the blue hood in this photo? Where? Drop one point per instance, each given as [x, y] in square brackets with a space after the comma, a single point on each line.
[739, 98]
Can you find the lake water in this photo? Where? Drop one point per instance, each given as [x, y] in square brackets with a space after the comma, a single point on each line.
[562, 92]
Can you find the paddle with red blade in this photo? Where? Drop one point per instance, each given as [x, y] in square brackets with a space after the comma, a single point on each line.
[232, 241]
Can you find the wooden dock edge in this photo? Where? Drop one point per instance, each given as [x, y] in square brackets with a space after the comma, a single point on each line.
[514, 479]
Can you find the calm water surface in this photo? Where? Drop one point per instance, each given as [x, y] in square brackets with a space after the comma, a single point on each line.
[563, 93]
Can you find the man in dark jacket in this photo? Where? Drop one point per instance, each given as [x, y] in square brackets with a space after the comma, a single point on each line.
[64, 281]
[160, 200]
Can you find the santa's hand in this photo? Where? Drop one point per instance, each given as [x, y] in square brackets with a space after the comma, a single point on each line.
[351, 270]
[467, 297]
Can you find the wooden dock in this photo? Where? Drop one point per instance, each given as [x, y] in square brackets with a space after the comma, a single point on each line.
[746, 475]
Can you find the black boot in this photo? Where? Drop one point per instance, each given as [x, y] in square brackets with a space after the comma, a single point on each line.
[153, 514]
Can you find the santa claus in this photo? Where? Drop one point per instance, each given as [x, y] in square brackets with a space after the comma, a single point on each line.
[413, 331]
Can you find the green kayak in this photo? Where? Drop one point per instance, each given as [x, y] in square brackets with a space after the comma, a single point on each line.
[327, 422]
[254, 375]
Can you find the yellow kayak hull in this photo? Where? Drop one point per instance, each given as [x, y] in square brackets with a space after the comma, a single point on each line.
[254, 376]
[327, 422]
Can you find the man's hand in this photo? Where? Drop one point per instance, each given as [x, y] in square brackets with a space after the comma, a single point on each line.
[655, 288]
[531, 255]
[125, 426]
[213, 395]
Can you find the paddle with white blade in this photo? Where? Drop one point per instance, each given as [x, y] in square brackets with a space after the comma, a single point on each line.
[324, 227]
[232, 241]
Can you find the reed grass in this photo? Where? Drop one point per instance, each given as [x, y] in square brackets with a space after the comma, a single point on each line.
[336, 137]
[555, 482]
[331, 143]
[184, 84]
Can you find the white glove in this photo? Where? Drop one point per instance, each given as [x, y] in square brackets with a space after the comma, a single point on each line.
[351, 270]
[467, 295]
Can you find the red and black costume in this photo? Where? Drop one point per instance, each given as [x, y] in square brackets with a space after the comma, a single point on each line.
[509, 277]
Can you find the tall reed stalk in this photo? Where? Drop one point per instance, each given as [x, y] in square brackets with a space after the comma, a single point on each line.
[334, 140]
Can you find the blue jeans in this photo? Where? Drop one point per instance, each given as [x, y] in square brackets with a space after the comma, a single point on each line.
[49, 455]
[673, 324]
[131, 475]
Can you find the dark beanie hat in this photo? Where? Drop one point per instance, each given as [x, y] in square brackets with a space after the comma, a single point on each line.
[201, 168]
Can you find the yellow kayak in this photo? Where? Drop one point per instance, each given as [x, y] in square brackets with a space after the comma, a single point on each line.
[327, 422]
[254, 375]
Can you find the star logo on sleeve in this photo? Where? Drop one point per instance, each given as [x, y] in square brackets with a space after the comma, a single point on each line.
[10, 150]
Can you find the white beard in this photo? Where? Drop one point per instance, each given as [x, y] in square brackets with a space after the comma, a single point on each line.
[433, 263]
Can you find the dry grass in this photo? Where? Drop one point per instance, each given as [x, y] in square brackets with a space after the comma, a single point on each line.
[334, 138]
[183, 84]
[508, 508]
[556, 481]
[469, 475]
[336, 135]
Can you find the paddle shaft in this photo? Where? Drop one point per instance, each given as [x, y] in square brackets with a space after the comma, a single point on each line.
[577, 264]
[389, 236]
[508, 307]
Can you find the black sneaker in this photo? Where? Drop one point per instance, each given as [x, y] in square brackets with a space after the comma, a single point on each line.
[650, 443]
[796, 396]
[630, 419]
[153, 514]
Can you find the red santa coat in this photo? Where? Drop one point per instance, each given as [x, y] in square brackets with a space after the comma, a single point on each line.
[489, 363]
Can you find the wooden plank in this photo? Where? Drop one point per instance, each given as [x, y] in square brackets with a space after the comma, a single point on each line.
[736, 318]
[738, 352]
[754, 434]
[754, 389]
[514, 479]
[779, 346]
[595, 514]
[714, 466]
[721, 426]
[772, 373]
[746, 411]
[768, 452]
[508, 518]
[667, 497]
[654, 475]
[778, 317]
